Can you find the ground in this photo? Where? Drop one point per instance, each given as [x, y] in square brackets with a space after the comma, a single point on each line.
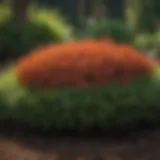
[24, 146]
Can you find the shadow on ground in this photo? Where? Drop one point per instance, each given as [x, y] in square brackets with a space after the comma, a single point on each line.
[140, 146]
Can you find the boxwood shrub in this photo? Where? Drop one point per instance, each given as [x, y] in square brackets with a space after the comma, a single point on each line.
[108, 107]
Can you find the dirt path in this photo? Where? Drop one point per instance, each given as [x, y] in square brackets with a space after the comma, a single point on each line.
[144, 146]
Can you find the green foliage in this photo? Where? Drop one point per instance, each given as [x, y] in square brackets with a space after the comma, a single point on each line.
[156, 4]
[146, 16]
[115, 29]
[80, 109]
[43, 26]
[145, 41]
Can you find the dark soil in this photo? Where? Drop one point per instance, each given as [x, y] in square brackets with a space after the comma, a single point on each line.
[16, 144]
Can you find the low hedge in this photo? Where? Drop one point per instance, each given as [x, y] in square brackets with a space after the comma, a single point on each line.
[107, 107]
[24, 96]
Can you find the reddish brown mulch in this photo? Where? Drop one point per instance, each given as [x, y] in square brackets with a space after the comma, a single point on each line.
[142, 146]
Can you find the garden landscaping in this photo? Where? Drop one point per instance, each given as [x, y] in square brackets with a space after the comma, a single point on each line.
[82, 85]
[55, 83]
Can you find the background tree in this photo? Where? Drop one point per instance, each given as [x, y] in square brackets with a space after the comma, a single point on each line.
[146, 16]
[19, 10]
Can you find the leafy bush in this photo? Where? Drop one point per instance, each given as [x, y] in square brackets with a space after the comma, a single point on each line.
[82, 64]
[98, 101]
[107, 107]
[43, 26]
[115, 29]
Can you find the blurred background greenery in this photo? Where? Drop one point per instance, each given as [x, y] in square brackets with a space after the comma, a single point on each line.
[27, 24]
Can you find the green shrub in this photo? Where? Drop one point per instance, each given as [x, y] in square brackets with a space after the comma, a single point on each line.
[115, 29]
[109, 107]
[43, 26]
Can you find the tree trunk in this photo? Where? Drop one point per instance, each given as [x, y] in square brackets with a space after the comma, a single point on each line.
[19, 10]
